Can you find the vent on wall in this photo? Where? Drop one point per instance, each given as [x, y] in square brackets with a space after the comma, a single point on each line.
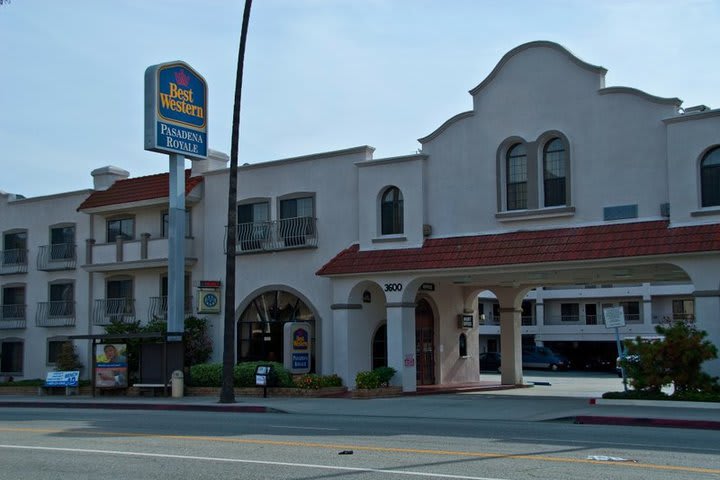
[665, 210]
[620, 212]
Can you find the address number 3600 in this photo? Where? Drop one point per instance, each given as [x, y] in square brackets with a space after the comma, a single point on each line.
[393, 287]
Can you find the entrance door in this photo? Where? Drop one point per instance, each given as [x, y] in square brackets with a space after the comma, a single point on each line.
[424, 343]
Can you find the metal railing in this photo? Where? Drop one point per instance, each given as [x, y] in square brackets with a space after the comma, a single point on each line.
[525, 320]
[299, 232]
[158, 308]
[58, 256]
[55, 314]
[13, 316]
[14, 261]
[114, 310]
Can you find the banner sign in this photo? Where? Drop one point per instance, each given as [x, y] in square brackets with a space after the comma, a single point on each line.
[175, 110]
[111, 366]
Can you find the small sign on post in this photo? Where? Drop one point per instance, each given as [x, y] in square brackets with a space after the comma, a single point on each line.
[615, 318]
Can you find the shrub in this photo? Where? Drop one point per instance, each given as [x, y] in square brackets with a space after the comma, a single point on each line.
[311, 381]
[380, 377]
[68, 359]
[206, 375]
[244, 374]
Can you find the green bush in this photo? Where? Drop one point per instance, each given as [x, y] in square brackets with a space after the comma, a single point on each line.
[311, 381]
[210, 375]
[674, 360]
[380, 377]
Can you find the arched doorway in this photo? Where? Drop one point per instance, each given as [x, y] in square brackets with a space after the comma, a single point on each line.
[379, 347]
[260, 327]
[425, 343]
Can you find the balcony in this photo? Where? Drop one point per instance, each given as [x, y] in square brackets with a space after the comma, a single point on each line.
[113, 310]
[59, 256]
[14, 261]
[159, 307]
[286, 234]
[525, 320]
[13, 317]
[124, 255]
[55, 314]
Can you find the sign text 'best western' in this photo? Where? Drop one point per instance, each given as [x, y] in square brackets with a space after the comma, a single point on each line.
[175, 110]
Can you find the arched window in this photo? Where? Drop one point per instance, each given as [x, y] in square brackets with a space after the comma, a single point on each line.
[710, 178]
[391, 211]
[379, 348]
[517, 174]
[554, 167]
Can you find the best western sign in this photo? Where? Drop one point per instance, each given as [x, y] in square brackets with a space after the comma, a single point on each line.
[175, 110]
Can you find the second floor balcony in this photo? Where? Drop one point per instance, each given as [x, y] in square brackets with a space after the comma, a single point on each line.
[55, 314]
[123, 254]
[158, 308]
[58, 256]
[113, 310]
[13, 261]
[13, 317]
[271, 236]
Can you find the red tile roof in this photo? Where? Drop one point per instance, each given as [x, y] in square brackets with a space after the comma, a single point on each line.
[137, 189]
[542, 246]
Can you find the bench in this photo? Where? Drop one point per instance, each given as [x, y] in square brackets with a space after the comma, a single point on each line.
[151, 387]
[70, 380]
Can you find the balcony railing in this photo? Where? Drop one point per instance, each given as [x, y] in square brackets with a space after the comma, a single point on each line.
[13, 316]
[114, 310]
[300, 232]
[159, 307]
[525, 320]
[59, 256]
[55, 314]
[14, 261]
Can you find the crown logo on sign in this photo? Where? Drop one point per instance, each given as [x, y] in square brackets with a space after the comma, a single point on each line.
[182, 78]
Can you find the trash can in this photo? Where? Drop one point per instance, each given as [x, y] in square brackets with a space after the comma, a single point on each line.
[178, 384]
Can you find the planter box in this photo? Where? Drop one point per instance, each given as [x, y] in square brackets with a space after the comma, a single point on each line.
[271, 392]
[376, 392]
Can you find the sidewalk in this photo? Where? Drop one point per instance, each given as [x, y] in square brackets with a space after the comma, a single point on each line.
[552, 399]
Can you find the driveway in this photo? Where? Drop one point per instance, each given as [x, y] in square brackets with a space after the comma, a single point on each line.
[559, 384]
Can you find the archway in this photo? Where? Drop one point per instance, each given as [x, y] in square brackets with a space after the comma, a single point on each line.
[260, 327]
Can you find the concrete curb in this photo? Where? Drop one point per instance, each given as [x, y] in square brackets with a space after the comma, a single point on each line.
[655, 403]
[220, 407]
[648, 422]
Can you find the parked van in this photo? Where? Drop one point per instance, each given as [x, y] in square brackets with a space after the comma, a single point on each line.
[543, 357]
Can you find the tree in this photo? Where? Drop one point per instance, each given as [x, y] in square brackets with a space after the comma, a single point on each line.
[227, 394]
[68, 359]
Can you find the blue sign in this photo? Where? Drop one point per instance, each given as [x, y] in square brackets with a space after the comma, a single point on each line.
[300, 361]
[175, 110]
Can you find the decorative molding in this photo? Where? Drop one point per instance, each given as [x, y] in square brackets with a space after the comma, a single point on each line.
[346, 306]
[513, 216]
[385, 161]
[639, 93]
[445, 126]
[706, 293]
[693, 116]
[390, 239]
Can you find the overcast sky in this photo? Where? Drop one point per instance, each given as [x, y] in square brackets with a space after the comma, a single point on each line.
[320, 75]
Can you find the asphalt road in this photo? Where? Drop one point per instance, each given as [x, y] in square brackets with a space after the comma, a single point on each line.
[43, 443]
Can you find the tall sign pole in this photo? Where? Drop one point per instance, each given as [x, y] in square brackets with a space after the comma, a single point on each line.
[615, 318]
[176, 123]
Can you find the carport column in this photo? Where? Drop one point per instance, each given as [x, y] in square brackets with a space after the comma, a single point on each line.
[510, 334]
[401, 344]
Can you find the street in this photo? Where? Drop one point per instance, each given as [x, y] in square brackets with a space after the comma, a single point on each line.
[42, 443]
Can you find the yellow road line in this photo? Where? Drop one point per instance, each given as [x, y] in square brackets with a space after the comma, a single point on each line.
[457, 453]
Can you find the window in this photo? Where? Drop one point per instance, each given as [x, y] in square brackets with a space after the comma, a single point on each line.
[13, 303]
[252, 224]
[683, 310]
[379, 348]
[517, 176]
[119, 297]
[54, 349]
[569, 312]
[166, 224]
[391, 212]
[120, 228]
[631, 311]
[187, 294]
[462, 344]
[296, 220]
[11, 356]
[554, 162]
[62, 299]
[710, 178]
[15, 248]
[62, 242]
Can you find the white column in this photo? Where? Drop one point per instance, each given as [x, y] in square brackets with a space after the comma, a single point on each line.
[510, 334]
[647, 306]
[401, 344]
[341, 344]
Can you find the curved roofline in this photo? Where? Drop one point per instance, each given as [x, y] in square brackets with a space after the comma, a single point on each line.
[634, 91]
[539, 43]
[445, 125]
